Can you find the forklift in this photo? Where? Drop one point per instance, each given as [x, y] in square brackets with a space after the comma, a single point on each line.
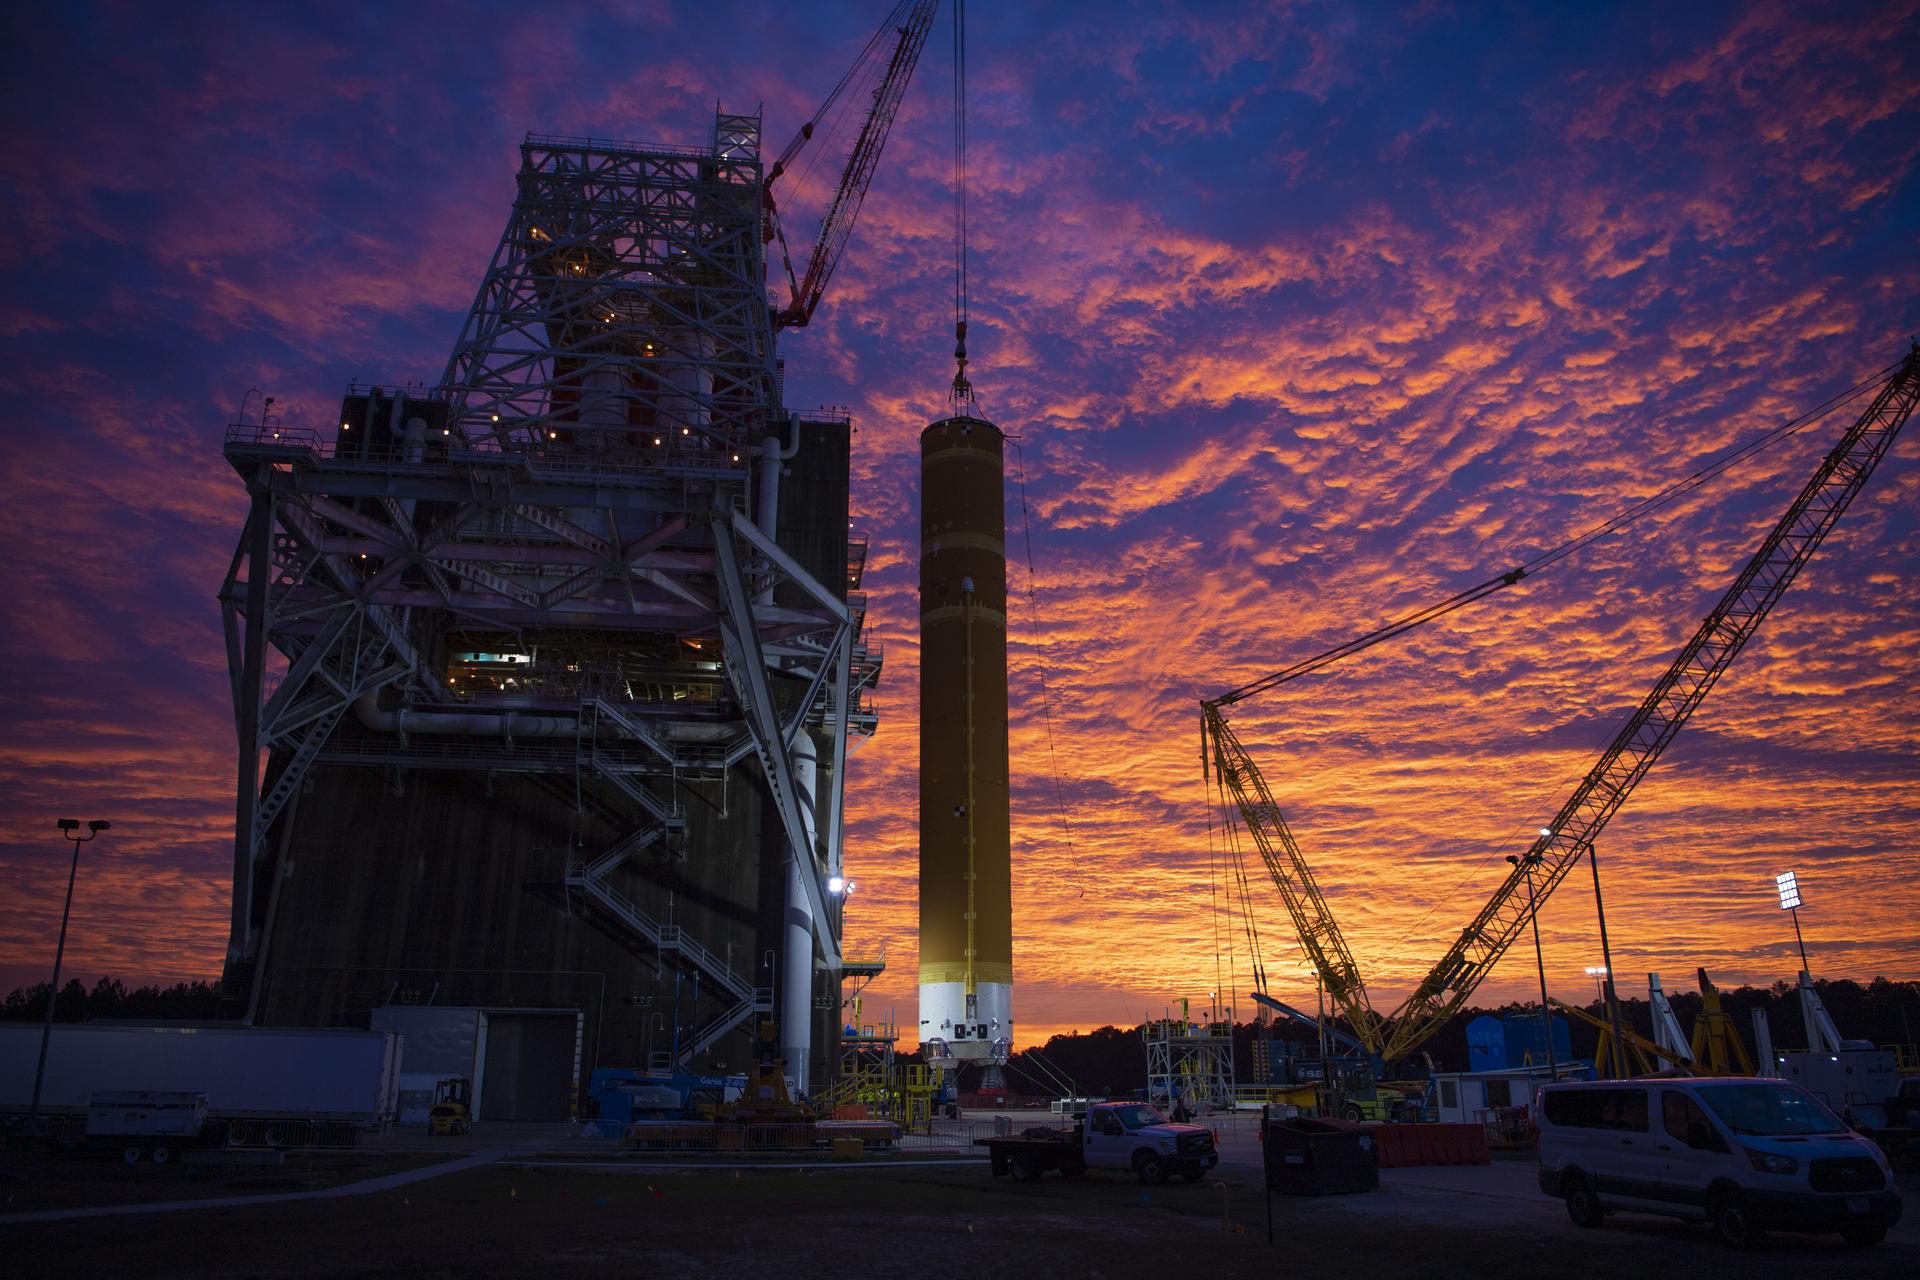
[452, 1112]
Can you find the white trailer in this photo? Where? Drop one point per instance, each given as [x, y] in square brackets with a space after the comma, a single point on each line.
[264, 1085]
[144, 1122]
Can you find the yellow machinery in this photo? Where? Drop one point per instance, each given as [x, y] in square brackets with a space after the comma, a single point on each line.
[1717, 1047]
[1647, 1056]
[452, 1112]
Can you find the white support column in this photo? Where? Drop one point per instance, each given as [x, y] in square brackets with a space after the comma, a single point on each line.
[796, 1000]
[747, 674]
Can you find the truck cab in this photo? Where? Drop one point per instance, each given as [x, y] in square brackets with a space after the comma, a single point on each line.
[1138, 1138]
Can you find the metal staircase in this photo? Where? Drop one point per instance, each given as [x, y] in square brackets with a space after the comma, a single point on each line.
[669, 941]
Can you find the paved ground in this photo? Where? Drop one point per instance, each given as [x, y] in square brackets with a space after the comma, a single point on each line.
[569, 1213]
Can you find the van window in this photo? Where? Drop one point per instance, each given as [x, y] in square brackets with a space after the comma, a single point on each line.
[1598, 1109]
[1769, 1109]
[1684, 1118]
[1449, 1094]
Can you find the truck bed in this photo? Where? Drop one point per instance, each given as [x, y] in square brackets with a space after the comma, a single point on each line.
[1029, 1154]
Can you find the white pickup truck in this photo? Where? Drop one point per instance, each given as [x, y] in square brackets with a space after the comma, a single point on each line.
[1129, 1137]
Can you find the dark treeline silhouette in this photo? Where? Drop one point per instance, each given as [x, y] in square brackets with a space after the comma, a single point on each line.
[111, 998]
[1113, 1060]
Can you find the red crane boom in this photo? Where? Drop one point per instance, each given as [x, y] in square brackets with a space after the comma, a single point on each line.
[910, 21]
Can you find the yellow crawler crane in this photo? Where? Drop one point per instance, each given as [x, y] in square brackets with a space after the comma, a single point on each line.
[1842, 472]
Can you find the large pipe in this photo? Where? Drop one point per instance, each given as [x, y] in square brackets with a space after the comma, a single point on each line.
[510, 723]
[966, 897]
[796, 1000]
[505, 724]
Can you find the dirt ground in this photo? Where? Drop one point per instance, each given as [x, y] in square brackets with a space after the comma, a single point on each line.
[30, 1182]
[501, 1221]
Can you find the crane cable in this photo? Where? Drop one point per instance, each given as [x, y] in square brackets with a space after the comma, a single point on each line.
[1547, 559]
[962, 390]
[1040, 665]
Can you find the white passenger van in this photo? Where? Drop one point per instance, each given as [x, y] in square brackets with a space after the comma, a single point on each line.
[1747, 1155]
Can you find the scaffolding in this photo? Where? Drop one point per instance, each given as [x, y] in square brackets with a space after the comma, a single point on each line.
[1189, 1062]
[562, 559]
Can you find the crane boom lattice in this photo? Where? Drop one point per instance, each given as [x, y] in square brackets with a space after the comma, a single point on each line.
[1638, 743]
[1675, 696]
[1313, 921]
[836, 228]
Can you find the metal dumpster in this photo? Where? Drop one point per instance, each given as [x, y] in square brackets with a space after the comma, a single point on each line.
[1318, 1157]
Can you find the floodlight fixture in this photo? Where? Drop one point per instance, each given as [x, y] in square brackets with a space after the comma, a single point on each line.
[1788, 885]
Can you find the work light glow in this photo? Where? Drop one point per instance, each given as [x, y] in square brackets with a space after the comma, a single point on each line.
[1789, 890]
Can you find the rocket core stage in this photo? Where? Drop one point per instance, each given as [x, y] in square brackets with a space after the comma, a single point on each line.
[966, 895]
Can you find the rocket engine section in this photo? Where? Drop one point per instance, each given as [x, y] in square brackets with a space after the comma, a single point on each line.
[966, 894]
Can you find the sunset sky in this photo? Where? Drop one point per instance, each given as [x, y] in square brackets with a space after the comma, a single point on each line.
[1304, 315]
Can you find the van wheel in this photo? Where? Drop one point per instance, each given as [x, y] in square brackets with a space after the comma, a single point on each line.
[1583, 1204]
[131, 1154]
[1733, 1222]
[162, 1154]
[1149, 1168]
[1863, 1237]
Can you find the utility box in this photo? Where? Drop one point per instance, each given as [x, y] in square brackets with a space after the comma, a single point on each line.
[1318, 1157]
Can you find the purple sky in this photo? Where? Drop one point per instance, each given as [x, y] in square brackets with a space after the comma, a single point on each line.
[1305, 314]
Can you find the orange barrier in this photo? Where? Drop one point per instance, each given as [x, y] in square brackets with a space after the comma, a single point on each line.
[1404, 1146]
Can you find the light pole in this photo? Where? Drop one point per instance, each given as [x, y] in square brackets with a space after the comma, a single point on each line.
[1789, 886]
[1619, 1045]
[1595, 972]
[68, 829]
[1527, 862]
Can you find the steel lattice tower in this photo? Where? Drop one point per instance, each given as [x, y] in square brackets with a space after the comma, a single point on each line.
[568, 567]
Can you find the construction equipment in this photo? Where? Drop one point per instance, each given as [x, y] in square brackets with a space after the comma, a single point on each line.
[909, 22]
[1648, 1055]
[1854, 1077]
[452, 1112]
[1625, 761]
[1716, 1046]
[1666, 1025]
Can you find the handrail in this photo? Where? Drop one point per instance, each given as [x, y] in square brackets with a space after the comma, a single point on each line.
[664, 937]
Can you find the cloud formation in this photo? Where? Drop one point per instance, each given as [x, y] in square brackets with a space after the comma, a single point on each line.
[1302, 321]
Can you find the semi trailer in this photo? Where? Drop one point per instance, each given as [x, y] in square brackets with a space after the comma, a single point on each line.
[264, 1086]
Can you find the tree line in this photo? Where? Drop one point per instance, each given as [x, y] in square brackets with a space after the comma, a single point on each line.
[1112, 1060]
[112, 998]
